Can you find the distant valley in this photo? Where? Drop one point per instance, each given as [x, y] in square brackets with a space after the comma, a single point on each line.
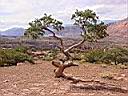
[118, 31]
[69, 31]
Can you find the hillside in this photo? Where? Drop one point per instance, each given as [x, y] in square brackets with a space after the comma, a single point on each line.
[13, 32]
[119, 29]
[118, 32]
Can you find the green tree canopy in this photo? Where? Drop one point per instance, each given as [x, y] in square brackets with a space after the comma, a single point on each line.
[38, 27]
[88, 21]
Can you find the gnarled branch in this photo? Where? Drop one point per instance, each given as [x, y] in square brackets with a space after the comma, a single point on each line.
[58, 38]
[74, 46]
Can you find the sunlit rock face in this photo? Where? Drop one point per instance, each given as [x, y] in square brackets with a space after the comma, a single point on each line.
[119, 29]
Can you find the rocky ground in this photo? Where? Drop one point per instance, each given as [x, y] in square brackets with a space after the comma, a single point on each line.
[39, 80]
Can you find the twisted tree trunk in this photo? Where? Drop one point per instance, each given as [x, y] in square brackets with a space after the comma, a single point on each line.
[61, 66]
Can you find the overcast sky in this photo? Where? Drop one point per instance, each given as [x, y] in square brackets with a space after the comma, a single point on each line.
[19, 12]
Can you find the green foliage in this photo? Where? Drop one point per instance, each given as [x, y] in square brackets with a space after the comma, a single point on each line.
[114, 55]
[51, 55]
[94, 56]
[120, 55]
[10, 57]
[38, 27]
[117, 55]
[88, 21]
[77, 57]
[21, 49]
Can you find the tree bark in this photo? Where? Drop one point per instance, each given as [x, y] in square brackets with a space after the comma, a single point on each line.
[87, 84]
[59, 72]
[74, 46]
[63, 50]
[58, 38]
[61, 66]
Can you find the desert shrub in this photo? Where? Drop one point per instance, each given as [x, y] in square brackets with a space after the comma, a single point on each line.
[52, 54]
[114, 55]
[119, 55]
[94, 56]
[122, 60]
[124, 57]
[77, 56]
[10, 57]
[106, 58]
[21, 49]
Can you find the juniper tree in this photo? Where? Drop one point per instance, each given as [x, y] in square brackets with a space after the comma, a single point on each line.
[87, 20]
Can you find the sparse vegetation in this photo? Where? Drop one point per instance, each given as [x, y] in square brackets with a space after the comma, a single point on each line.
[35, 60]
[94, 56]
[9, 57]
[51, 55]
[92, 30]
[110, 56]
[21, 49]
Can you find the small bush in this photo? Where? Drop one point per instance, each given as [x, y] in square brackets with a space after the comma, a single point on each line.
[21, 49]
[106, 58]
[52, 54]
[10, 57]
[94, 56]
[119, 55]
[114, 55]
[77, 56]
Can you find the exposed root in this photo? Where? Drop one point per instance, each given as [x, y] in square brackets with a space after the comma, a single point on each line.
[59, 72]
[92, 84]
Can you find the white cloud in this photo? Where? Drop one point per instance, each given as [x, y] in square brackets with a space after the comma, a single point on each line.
[114, 2]
[113, 12]
[20, 12]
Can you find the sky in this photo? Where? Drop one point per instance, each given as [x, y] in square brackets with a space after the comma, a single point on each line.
[17, 13]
